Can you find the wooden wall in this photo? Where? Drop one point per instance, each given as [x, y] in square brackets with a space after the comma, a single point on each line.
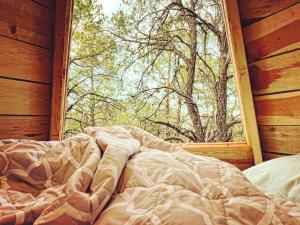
[34, 53]
[271, 32]
[26, 52]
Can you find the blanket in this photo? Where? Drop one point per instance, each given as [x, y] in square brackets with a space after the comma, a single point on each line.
[125, 176]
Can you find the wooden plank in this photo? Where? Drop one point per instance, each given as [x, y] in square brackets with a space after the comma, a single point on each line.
[276, 74]
[23, 98]
[63, 24]
[238, 154]
[235, 38]
[24, 61]
[269, 156]
[243, 166]
[24, 127]
[254, 10]
[47, 3]
[280, 139]
[273, 35]
[278, 109]
[230, 152]
[27, 21]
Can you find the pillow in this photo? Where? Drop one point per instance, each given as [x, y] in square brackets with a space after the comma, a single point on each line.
[279, 176]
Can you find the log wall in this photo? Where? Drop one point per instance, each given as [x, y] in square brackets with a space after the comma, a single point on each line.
[34, 54]
[271, 33]
[26, 61]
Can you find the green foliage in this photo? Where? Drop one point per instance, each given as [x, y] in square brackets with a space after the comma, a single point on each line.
[124, 69]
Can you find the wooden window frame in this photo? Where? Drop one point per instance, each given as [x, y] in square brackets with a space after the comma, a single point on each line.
[252, 145]
[233, 151]
[62, 40]
[236, 153]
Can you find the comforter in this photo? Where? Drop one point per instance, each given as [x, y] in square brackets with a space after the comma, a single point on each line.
[125, 176]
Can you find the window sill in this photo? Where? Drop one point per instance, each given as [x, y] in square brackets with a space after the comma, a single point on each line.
[236, 153]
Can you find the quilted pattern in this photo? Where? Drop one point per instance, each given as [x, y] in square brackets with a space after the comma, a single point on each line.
[123, 175]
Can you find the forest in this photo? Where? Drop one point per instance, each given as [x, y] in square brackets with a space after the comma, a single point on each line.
[162, 65]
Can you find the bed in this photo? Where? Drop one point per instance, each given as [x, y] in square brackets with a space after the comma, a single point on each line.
[125, 176]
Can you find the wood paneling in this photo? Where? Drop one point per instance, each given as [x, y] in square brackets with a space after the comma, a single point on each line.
[278, 109]
[27, 21]
[273, 35]
[47, 3]
[269, 156]
[276, 74]
[26, 65]
[235, 38]
[24, 127]
[24, 98]
[243, 166]
[280, 139]
[272, 43]
[238, 154]
[24, 61]
[254, 10]
[64, 12]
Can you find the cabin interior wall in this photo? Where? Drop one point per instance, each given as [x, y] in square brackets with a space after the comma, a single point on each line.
[272, 42]
[26, 55]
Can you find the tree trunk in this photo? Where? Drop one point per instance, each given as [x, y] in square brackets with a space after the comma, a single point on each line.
[166, 83]
[179, 110]
[221, 91]
[92, 100]
[191, 105]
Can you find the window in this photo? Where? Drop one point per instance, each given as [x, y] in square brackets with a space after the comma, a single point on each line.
[163, 66]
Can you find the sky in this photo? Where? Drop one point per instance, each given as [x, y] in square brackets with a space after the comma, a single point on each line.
[110, 6]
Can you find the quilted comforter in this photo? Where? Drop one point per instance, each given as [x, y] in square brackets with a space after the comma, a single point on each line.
[125, 176]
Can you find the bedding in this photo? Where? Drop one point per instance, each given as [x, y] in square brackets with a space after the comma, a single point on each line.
[280, 177]
[125, 176]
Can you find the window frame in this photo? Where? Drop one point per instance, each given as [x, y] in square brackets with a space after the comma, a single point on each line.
[63, 24]
[252, 145]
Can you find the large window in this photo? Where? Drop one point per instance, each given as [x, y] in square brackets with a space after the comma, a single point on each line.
[163, 66]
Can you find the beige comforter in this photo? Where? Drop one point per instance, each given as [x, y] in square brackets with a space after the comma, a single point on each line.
[135, 178]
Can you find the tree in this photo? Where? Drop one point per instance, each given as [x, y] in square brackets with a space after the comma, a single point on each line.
[185, 31]
[160, 65]
[92, 57]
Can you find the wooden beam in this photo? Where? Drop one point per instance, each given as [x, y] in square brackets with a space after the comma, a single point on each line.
[27, 21]
[280, 139]
[235, 38]
[24, 61]
[276, 74]
[231, 152]
[273, 35]
[24, 127]
[47, 3]
[269, 156]
[236, 153]
[254, 10]
[278, 109]
[24, 98]
[63, 23]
